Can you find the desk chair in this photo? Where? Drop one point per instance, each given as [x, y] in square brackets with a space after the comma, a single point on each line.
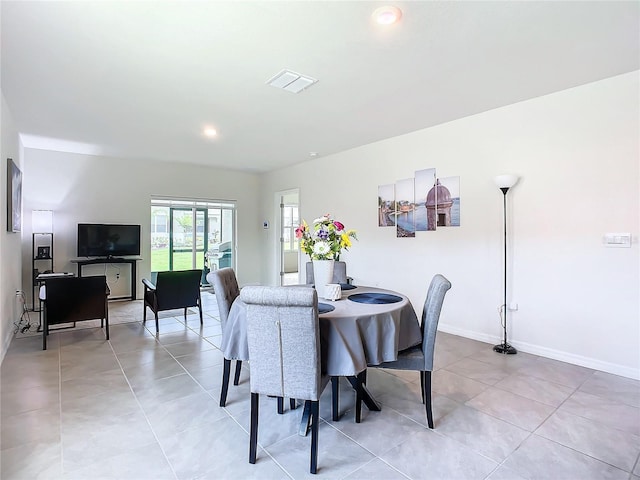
[283, 334]
[172, 290]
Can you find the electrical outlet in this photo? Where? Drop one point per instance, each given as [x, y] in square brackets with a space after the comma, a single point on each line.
[513, 307]
[117, 276]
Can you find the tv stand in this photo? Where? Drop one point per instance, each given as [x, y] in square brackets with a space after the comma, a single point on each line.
[104, 260]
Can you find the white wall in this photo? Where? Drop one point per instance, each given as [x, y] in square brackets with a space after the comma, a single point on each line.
[577, 154]
[10, 266]
[82, 188]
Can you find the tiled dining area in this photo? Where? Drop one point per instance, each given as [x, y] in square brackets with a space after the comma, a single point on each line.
[141, 406]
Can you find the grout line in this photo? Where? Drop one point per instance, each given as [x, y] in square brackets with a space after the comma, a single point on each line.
[164, 453]
[60, 403]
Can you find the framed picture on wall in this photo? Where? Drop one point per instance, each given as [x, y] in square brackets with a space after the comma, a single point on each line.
[14, 197]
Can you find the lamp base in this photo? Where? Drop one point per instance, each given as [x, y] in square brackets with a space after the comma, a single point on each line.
[505, 349]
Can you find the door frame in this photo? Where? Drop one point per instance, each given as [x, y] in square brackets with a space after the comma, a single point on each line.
[194, 245]
[279, 207]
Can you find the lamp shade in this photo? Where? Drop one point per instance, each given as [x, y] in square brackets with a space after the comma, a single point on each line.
[506, 181]
[42, 221]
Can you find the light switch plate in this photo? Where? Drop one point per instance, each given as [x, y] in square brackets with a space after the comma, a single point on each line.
[617, 240]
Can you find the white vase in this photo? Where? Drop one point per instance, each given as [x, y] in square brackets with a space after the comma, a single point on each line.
[322, 275]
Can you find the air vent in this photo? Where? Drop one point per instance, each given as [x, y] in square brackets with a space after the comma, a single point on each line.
[291, 81]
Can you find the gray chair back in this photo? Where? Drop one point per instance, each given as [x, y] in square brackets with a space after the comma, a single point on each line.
[284, 341]
[339, 273]
[225, 286]
[430, 316]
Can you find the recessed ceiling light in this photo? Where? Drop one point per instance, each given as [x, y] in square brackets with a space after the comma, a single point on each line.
[387, 15]
[210, 132]
[313, 154]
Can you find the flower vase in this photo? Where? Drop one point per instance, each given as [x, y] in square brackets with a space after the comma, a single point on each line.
[322, 275]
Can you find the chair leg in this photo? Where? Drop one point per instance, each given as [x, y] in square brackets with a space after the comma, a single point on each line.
[106, 318]
[427, 394]
[335, 397]
[45, 331]
[226, 372]
[306, 417]
[280, 405]
[185, 314]
[157, 325]
[144, 313]
[236, 377]
[359, 379]
[315, 414]
[253, 436]
[200, 308]
[292, 403]
[422, 385]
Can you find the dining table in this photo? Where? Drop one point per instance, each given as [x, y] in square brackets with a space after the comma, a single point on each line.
[366, 326]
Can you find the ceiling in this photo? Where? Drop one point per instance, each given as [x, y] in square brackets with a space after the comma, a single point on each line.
[143, 79]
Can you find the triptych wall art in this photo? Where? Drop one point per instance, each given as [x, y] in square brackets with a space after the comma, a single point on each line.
[14, 197]
[419, 204]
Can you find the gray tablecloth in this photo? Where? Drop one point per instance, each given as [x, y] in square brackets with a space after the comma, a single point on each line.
[352, 336]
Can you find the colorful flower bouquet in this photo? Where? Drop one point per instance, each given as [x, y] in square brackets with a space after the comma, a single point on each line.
[325, 239]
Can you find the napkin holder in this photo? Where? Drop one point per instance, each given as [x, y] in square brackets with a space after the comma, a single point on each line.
[333, 291]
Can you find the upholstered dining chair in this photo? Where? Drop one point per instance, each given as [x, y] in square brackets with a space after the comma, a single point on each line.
[283, 334]
[75, 299]
[173, 290]
[420, 357]
[225, 287]
[339, 273]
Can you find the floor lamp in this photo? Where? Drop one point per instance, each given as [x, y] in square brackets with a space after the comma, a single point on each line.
[504, 183]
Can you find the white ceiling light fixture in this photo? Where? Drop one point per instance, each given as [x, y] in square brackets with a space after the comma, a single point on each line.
[210, 132]
[387, 15]
[291, 81]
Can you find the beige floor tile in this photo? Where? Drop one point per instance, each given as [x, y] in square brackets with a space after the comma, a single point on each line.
[535, 388]
[539, 458]
[476, 370]
[482, 433]
[615, 447]
[337, 455]
[376, 470]
[145, 406]
[428, 455]
[512, 408]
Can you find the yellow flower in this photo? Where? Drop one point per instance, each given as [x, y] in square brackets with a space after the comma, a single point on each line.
[345, 242]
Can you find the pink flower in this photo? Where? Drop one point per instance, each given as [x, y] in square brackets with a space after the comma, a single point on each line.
[300, 231]
[338, 225]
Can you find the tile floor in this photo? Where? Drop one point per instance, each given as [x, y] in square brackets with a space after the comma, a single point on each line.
[146, 407]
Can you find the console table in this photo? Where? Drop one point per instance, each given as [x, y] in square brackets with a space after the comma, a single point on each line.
[93, 261]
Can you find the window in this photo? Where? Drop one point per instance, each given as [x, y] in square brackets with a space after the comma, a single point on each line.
[187, 234]
[289, 225]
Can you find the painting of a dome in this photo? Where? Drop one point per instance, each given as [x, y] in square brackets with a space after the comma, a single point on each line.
[439, 194]
[439, 203]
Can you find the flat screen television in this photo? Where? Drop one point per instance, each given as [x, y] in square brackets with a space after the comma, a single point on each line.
[108, 240]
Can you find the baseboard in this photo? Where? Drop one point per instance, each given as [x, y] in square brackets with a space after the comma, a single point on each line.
[539, 350]
[6, 342]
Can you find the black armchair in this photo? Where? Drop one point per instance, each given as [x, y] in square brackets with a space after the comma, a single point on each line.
[172, 290]
[75, 299]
